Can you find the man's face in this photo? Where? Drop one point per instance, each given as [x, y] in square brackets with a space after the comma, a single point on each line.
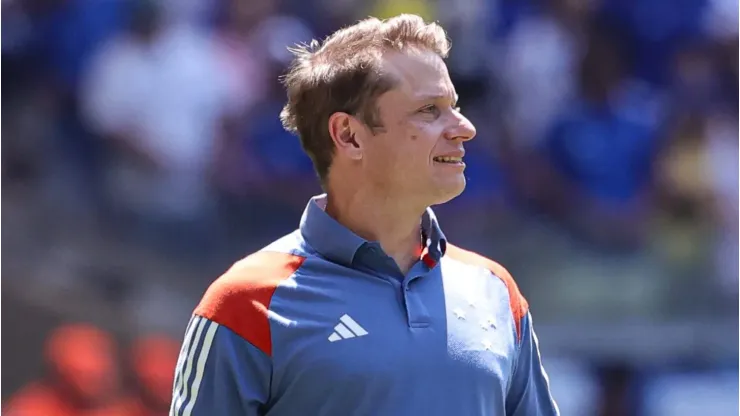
[417, 153]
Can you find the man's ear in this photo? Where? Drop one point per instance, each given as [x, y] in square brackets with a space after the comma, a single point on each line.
[346, 132]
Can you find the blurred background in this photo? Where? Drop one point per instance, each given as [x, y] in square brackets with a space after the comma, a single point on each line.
[143, 154]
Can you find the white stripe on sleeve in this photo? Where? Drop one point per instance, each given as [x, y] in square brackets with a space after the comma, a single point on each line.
[187, 342]
[181, 392]
[200, 368]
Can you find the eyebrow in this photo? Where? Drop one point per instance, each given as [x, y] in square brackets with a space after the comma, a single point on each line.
[431, 97]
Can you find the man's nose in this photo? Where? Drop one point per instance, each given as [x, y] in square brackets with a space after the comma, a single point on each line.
[462, 129]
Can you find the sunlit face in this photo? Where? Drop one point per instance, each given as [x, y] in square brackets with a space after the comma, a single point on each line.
[418, 152]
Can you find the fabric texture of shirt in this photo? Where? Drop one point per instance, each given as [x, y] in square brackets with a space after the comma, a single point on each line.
[323, 322]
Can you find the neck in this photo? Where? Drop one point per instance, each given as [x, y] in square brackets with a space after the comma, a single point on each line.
[388, 221]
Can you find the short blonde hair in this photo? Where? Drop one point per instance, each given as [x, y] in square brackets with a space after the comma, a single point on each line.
[342, 74]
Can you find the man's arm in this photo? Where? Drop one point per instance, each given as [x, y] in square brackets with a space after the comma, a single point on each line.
[529, 393]
[226, 363]
[219, 373]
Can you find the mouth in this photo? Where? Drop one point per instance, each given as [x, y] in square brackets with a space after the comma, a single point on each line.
[449, 160]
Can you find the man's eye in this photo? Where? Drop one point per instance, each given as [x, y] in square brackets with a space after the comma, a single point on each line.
[434, 110]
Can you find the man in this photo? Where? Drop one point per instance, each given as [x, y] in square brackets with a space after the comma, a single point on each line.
[366, 309]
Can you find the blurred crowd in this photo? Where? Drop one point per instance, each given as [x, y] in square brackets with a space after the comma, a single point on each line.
[83, 376]
[143, 154]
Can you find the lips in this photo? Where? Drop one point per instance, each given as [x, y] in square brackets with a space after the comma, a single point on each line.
[454, 159]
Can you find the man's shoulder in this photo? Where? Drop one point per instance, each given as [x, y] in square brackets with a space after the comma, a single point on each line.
[253, 278]
[254, 273]
[240, 298]
[472, 258]
[519, 305]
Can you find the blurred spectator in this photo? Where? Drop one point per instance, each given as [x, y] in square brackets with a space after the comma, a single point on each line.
[264, 158]
[153, 359]
[82, 378]
[245, 63]
[699, 191]
[278, 152]
[599, 152]
[240, 48]
[539, 65]
[262, 154]
[159, 97]
[686, 197]
[697, 178]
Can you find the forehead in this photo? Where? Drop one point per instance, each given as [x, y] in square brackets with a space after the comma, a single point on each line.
[418, 74]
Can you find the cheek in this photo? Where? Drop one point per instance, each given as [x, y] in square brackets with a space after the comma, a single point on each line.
[415, 155]
[421, 145]
[405, 152]
[398, 163]
[425, 142]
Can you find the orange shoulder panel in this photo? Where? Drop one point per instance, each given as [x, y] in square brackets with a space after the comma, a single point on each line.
[517, 302]
[240, 298]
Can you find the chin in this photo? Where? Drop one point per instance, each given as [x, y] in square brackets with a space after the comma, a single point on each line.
[448, 191]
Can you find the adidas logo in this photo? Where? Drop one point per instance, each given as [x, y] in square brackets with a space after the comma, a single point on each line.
[346, 328]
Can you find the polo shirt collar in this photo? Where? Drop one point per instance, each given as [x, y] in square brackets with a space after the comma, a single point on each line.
[337, 243]
[436, 242]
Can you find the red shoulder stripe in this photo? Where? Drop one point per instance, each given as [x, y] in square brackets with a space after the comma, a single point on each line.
[240, 298]
[517, 302]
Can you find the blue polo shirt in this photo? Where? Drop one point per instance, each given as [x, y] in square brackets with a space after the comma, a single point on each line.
[323, 322]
